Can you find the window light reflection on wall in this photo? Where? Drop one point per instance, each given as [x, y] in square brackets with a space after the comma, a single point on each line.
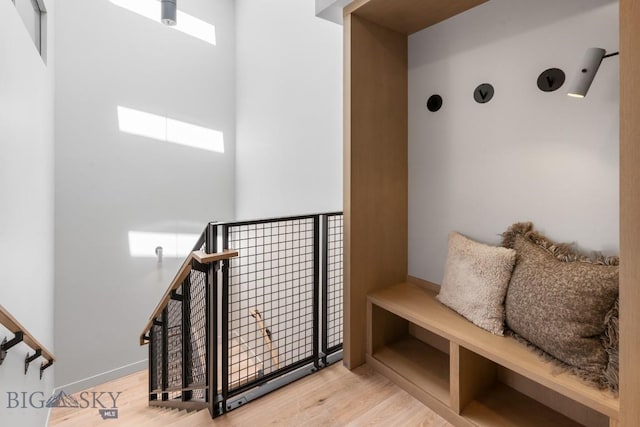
[143, 244]
[185, 23]
[161, 128]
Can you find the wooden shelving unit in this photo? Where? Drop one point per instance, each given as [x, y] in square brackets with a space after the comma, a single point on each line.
[466, 382]
[376, 227]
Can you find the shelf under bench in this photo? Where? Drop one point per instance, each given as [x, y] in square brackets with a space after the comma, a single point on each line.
[472, 364]
[427, 367]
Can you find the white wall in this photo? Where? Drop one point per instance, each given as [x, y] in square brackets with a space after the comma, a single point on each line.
[109, 183]
[26, 200]
[289, 110]
[331, 10]
[526, 155]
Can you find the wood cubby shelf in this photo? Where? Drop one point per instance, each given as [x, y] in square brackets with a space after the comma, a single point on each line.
[427, 367]
[483, 379]
[492, 379]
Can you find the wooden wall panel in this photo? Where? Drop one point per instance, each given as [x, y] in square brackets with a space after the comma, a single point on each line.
[375, 171]
[409, 16]
[629, 212]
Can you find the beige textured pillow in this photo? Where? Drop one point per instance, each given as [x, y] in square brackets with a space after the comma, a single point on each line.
[475, 281]
[562, 301]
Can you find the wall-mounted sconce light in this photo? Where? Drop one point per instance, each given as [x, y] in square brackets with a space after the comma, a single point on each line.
[159, 251]
[169, 12]
[587, 71]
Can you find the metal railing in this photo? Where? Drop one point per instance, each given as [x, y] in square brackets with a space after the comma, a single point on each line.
[238, 327]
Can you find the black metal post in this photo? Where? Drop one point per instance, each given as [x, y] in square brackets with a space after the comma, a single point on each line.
[186, 339]
[325, 287]
[152, 366]
[211, 292]
[316, 290]
[165, 354]
[225, 321]
[211, 238]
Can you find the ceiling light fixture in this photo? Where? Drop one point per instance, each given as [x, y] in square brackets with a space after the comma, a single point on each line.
[169, 12]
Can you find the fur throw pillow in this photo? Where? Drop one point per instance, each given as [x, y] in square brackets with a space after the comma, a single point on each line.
[475, 281]
[563, 303]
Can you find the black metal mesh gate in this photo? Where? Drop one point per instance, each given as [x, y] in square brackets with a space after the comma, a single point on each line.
[271, 298]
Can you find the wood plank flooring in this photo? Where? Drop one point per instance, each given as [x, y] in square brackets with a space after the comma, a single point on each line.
[334, 396]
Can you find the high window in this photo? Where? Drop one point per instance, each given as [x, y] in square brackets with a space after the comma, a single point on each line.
[32, 13]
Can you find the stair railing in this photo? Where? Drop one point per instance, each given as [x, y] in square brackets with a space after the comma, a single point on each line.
[237, 323]
[21, 334]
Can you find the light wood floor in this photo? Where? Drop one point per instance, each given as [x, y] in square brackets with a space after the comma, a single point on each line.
[334, 396]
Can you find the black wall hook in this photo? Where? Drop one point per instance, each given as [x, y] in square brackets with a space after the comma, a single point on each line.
[434, 103]
[483, 93]
[551, 80]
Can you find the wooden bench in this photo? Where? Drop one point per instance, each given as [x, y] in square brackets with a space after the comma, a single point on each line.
[470, 376]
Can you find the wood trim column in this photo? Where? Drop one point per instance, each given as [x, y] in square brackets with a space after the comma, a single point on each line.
[375, 171]
[629, 212]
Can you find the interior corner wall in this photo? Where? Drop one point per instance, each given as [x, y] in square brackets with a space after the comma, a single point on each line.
[26, 215]
[526, 155]
[289, 110]
[109, 182]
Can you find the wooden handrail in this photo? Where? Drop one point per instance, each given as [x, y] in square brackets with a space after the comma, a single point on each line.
[183, 272]
[10, 322]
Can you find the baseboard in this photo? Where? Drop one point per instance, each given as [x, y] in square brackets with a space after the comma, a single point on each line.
[105, 377]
